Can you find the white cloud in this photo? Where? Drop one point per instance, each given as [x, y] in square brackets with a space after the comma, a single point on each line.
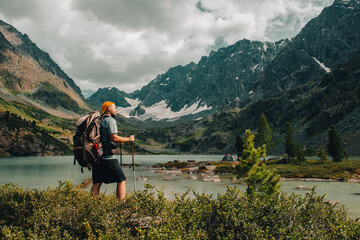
[126, 44]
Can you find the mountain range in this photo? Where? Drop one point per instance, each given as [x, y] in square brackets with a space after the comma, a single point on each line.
[312, 82]
[247, 71]
[196, 90]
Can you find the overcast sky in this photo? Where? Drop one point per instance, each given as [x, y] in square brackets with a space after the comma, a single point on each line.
[127, 43]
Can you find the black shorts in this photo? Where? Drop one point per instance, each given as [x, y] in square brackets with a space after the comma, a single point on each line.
[108, 171]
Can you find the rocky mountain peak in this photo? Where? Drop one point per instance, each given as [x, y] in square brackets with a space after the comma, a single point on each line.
[325, 42]
[28, 75]
[108, 94]
[13, 36]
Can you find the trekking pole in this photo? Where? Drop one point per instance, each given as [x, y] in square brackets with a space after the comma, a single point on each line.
[121, 154]
[133, 163]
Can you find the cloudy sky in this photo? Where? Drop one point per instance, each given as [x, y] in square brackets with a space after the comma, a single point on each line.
[126, 43]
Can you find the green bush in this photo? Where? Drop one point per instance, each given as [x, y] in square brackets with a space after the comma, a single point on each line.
[225, 169]
[68, 213]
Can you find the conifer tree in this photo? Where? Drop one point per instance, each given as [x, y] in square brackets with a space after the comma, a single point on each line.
[239, 145]
[7, 115]
[322, 154]
[300, 156]
[335, 144]
[261, 179]
[289, 141]
[263, 135]
[257, 176]
[250, 155]
[346, 155]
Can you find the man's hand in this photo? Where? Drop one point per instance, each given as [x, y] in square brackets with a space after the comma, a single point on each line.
[118, 139]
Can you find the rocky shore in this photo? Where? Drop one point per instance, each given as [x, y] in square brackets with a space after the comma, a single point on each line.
[205, 171]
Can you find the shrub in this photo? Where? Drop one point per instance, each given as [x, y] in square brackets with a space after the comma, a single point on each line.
[322, 155]
[68, 213]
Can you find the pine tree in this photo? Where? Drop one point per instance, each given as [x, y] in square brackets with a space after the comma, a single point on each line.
[289, 141]
[300, 156]
[346, 155]
[250, 155]
[257, 176]
[7, 115]
[322, 155]
[335, 144]
[261, 179]
[263, 136]
[239, 145]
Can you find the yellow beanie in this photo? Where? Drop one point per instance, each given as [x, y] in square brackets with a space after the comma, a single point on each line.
[105, 106]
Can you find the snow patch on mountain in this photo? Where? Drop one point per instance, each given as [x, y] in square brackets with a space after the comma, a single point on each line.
[126, 111]
[322, 65]
[161, 110]
[265, 47]
[253, 69]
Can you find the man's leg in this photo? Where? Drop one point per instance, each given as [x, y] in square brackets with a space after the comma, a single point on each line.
[121, 190]
[95, 189]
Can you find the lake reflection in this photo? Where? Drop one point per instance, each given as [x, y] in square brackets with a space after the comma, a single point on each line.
[43, 172]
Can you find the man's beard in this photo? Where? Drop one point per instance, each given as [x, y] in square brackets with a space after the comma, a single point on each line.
[113, 115]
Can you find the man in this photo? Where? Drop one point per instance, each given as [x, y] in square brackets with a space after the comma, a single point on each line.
[109, 170]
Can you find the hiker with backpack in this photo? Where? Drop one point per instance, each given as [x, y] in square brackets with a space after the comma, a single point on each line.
[109, 170]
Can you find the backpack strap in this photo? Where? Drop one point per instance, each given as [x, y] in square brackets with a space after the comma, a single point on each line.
[90, 119]
[106, 149]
